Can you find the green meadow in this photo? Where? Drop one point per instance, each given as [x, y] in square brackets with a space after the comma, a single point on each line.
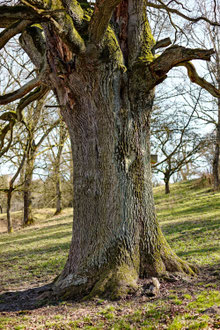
[32, 257]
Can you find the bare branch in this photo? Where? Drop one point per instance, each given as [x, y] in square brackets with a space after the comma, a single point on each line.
[173, 56]
[195, 78]
[47, 132]
[11, 14]
[177, 12]
[10, 97]
[162, 43]
[10, 128]
[100, 19]
[37, 94]
[12, 30]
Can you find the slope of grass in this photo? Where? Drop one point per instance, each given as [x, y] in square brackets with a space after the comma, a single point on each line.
[190, 219]
[37, 253]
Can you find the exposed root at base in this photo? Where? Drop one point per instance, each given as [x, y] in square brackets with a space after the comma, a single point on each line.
[115, 284]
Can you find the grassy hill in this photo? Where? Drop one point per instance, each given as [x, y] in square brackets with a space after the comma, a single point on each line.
[32, 257]
[190, 219]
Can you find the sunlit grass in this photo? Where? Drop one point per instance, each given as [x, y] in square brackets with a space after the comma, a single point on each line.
[190, 219]
[35, 253]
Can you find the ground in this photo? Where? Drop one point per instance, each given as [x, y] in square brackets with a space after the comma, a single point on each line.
[32, 257]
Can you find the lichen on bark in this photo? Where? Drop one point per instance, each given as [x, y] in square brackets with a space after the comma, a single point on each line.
[106, 95]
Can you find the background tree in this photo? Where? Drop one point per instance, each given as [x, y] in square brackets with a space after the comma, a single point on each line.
[175, 137]
[56, 161]
[35, 126]
[12, 186]
[209, 107]
[104, 76]
[33, 129]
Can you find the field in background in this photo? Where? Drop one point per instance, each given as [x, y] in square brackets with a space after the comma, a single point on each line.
[190, 219]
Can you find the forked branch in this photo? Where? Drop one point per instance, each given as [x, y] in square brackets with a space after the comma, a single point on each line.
[172, 57]
[195, 78]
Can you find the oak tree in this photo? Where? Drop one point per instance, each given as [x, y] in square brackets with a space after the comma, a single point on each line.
[99, 61]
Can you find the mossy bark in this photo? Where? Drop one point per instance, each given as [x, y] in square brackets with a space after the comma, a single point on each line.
[116, 237]
[107, 108]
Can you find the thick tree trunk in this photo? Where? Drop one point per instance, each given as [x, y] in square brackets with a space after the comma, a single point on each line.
[116, 237]
[103, 76]
[217, 152]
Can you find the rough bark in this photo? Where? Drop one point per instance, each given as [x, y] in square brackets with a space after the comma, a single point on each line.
[116, 237]
[104, 78]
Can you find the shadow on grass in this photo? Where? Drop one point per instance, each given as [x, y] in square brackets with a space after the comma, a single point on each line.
[23, 301]
[200, 206]
[34, 239]
[185, 226]
[46, 249]
[198, 251]
[36, 233]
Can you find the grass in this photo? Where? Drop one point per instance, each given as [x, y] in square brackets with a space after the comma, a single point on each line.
[190, 219]
[37, 253]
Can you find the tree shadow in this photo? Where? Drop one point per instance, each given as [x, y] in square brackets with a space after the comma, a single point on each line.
[26, 300]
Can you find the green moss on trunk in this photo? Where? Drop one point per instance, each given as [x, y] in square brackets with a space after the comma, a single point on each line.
[116, 283]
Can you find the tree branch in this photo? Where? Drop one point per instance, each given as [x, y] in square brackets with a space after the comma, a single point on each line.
[11, 14]
[10, 97]
[9, 128]
[12, 30]
[161, 43]
[37, 94]
[100, 19]
[47, 132]
[177, 12]
[172, 57]
[33, 43]
[62, 22]
[195, 78]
